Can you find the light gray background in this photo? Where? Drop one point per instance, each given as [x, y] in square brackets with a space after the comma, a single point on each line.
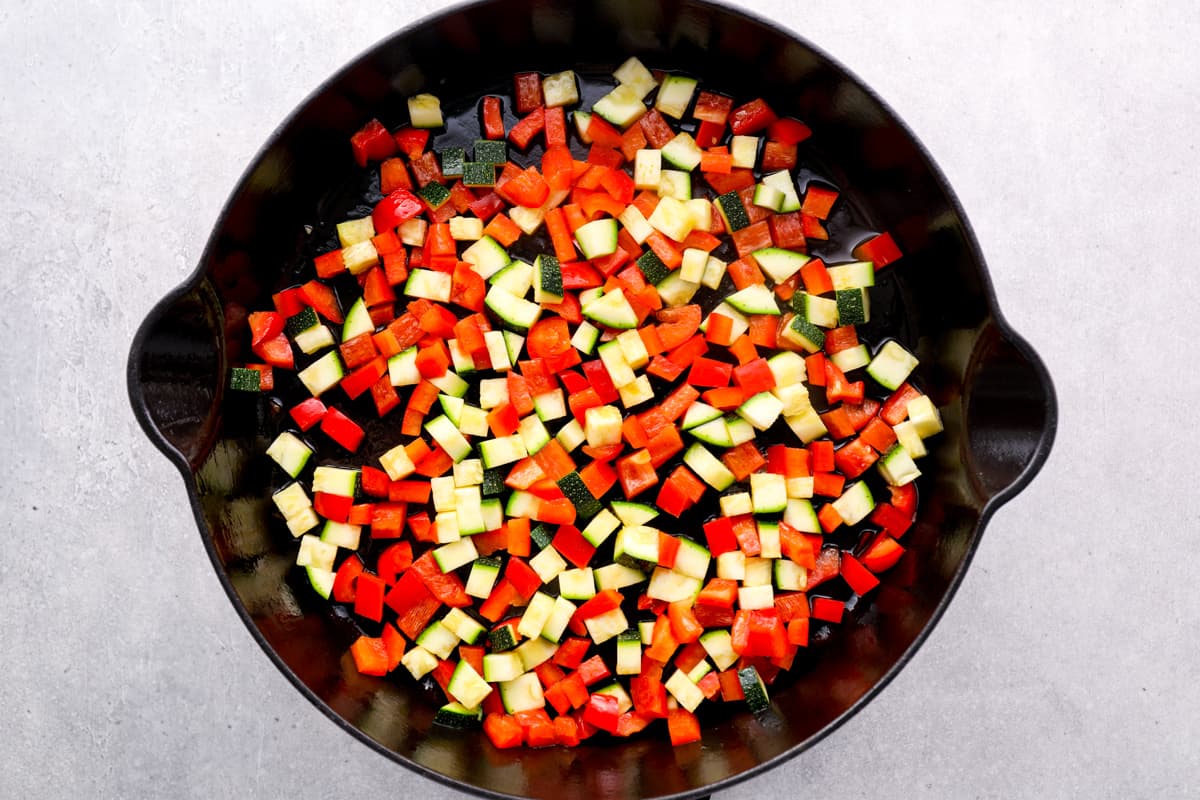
[1065, 667]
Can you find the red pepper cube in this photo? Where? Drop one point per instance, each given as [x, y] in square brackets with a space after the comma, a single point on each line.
[368, 600]
[342, 429]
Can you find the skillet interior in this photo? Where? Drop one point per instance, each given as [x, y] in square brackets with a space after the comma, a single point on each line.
[997, 400]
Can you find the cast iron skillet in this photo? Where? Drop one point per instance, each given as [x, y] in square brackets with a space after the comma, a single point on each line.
[996, 397]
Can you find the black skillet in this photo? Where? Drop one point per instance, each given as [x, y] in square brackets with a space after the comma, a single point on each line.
[997, 400]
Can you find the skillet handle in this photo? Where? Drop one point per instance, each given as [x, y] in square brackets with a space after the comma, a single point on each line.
[1011, 412]
[176, 372]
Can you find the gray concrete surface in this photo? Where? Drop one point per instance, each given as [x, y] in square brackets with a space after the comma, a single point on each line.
[1066, 666]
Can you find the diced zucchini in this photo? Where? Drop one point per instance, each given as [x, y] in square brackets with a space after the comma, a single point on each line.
[783, 181]
[736, 504]
[686, 693]
[761, 410]
[500, 451]
[768, 493]
[402, 368]
[606, 626]
[419, 662]
[636, 393]
[744, 150]
[483, 576]
[575, 490]
[523, 693]
[897, 466]
[807, 425]
[536, 651]
[438, 639]
[715, 433]
[629, 653]
[732, 211]
[445, 433]
[675, 291]
[851, 358]
[731, 565]
[429, 284]
[486, 257]
[789, 576]
[714, 271]
[754, 299]
[630, 513]
[671, 586]
[699, 413]
[291, 454]
[502, 667]
[617, 576]
[855, 503]
[779, 264]
[571, 435]
[586, 336]
[758, 571]
[577, 584]
[647, 170]
[633, 73]
[541, 605]
[692, 559]
[548, 564]
[360, 257]
[855, 275]
[425, 111]
[314, 339]
[682, 152]
[752, 598]
[463, 626]
[800, 515]
[514, 311]
[341, 534]
[892, 365]
[321, 580]
[335, 480]
[754, 689]
[315, 553]
[550, 405]
[677, 185]
[560, 617]
[719, 646]
[611, 310]
[560, 89]
[547, 278]
[622, 106]
[708, 467]
[853, 306]
[768, 538]
[675, 95]
[924, 416]
[767, 196]
[672, 218]
[635, 222]
[533, 434]
[323, 374]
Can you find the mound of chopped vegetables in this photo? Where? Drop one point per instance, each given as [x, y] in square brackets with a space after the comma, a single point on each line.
[634, 447]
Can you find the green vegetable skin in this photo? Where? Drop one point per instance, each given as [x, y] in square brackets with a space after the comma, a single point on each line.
[534, 478]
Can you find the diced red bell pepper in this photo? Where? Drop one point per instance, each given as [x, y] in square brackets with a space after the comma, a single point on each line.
[527, 91]
[571, 545]
[342, 429]
[854, 458]
[593, 670]
[881, 250]
[530, 126]
[368, 599]
[308, 413]
[370, 656]
[346, 578]
[637, 473]
[720, 537]
[332, 506]
[372, 142]
[683, 727]
[503, 731]
[571, 652]
[396, 208]
[751, 117]
[827, 609]
[602, 711]
[522, 578]
[882, 554]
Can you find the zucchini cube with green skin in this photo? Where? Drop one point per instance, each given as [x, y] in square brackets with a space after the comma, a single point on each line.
[790, 576]
[686, 693]
[490, 151]
[419, 662]
[597, 238]
[671, 586]
[542, 535]
[575, 490]
[358, 258]
[486, 257]
[767, 196]
[708, 467]
[457, 716]
[851, 358]
[768, 538]
[245, 380]
[536, 651]
[732, 211]
[560, 617]
[335, 480]
[805, 334]
[744, 150]
[425, 111]
[719, 646]
[617, 576]
[503, 666]
[855, 275]
[601, 526]
[853, 307]
[577, 584]
[483, 576]
[463, 626]
[300, 322]
[611, 310]
[758, 571]
[523, 693]
[500, 640]
[682, 152]
[782, 180]
[434, 194]
[754, 689]
[341, 534]
[897, 466]
[446, 434]
[629, 653]
[892, 365]
[606, 626]
[323, 374]
[692, 559]
[672, 218]
[478, 175]
[855, 503]
[622, 106]
[537, 613]
[633, 73]
[636, 546]
[674, 95]
[677, 185]
[924, 416]
[602, 426]
[754, 299]
[779, 264]
[290, 453]
[647, 170]
[571, 435]
[438, 639]
[453, 159]
[547, 279]
[548, 564]
[315, 553]
[753, 598]
[768, 493]
[736, 504]
[652, 267]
